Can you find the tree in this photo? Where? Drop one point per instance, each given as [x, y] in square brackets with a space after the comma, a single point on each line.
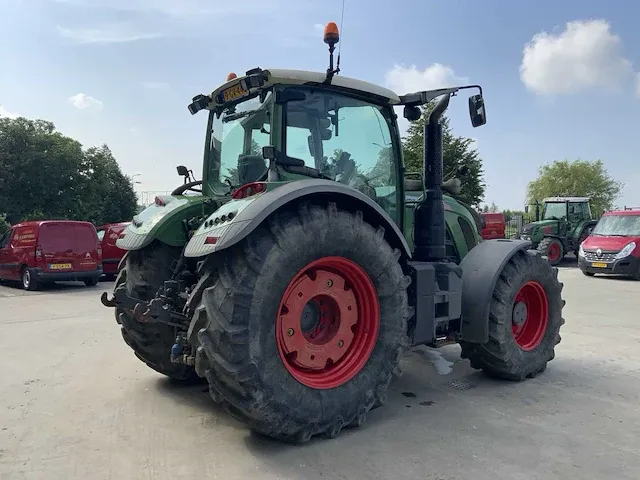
[46, 175]
[493, 208]
[579, 178]
[456, 151]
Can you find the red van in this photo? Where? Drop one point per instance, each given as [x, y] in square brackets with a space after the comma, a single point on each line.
[613, 246]
[494, 226]
[49, 251]
[111, 254]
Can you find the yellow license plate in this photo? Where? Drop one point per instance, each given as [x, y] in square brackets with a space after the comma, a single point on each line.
[233, 93]
[599, 265]
[59, 266]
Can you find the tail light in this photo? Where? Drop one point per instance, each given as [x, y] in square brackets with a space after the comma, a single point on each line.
[38, 253]
[248, 190]
[99, 253]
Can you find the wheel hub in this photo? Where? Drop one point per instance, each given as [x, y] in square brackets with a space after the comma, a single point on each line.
[519, 313]
[328, 322]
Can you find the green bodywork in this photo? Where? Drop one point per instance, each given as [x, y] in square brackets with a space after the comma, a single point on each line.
[566, 218]
[261, 126]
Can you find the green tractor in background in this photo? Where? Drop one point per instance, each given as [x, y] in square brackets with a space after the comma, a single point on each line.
[298, 295]
[565, 223]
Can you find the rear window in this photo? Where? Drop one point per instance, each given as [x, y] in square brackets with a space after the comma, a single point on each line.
[86, 240]
[618, 225]
[57, 237]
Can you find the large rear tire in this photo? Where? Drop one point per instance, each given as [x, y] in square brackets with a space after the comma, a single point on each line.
[524, 320]
[307, 323]
[143, 273]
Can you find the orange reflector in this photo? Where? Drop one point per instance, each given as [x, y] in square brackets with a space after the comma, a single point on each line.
[331, 34]
[231, 76]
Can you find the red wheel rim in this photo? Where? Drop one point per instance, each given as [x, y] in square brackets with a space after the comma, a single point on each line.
[530, 315]
[328, 323]
[553, 252]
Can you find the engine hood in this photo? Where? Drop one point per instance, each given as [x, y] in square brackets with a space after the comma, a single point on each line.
[608, 244]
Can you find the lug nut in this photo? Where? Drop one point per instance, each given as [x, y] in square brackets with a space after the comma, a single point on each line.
[329, 283]
[290, 332]
[340, 343]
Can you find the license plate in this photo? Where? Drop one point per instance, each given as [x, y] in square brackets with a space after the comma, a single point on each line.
[59, 266]
[599, 265]
[233, 93]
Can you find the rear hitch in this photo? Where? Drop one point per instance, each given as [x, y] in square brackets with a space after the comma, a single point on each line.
[104, 298]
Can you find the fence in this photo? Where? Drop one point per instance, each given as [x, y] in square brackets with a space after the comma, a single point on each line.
[514, 223]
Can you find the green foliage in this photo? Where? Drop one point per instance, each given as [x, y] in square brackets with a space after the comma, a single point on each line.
[46, 175]
[579, 178]
[456, 151]
[4, 226]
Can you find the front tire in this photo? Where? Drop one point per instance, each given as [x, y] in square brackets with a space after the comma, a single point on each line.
[281, 377]
[553, 249]
[143, 273]
[524, 320]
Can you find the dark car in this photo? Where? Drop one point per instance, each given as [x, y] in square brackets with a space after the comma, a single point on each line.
[51, 250]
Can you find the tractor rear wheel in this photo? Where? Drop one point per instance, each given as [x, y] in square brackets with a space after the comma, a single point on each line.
[553, 249]
[307, 323]
[524, 320]
[143, 272]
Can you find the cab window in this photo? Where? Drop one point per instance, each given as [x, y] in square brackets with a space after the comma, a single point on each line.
[347, 140]
[101, 234]
[4, 239]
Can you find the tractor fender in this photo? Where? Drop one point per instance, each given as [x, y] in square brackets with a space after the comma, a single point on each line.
[162, 222]
[481, 269]
[218, 232]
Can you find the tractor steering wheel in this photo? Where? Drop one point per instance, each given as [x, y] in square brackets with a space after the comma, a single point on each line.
[188, 187]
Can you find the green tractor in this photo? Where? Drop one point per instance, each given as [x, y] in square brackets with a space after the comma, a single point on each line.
[565, 223]
[297, 297]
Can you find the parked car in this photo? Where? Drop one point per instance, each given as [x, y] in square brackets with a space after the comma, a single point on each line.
[494, 226]
[111, 254]
[613, 246]
[52, 250]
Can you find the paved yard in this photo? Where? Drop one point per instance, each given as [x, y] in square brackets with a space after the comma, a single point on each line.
[76, 404]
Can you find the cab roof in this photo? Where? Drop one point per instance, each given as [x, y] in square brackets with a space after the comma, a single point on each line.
[566, 199]
[37, 223]
[281, 76]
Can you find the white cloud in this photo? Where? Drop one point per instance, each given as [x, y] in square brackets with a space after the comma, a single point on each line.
[7, 114]
[585, 55]
[638, 85]
[82, 101]
[404, 80]
[115, 33]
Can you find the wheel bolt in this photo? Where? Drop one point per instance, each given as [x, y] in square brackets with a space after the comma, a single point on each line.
[290, 332]
[340, 343]
[329, 283]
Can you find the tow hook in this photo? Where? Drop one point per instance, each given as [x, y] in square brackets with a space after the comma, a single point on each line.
[104, 298]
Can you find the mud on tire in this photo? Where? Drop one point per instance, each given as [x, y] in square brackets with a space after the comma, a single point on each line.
[516, 348]
[143, 273]
[243, 361]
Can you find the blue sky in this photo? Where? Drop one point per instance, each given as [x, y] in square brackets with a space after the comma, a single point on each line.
[122, 72]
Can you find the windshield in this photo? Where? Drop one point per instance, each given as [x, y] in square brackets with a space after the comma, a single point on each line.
[555, 211]
[239, 133]
[618, 225]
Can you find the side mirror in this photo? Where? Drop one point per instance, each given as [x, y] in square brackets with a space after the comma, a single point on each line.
[412, 113]
[325, 134]
[182, 171]
[526, 209]
[477, 111]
